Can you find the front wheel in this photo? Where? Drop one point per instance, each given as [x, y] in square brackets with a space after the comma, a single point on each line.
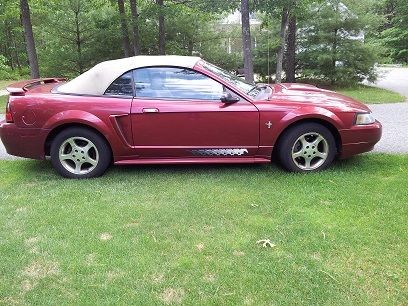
[307, 147]
[80, 153]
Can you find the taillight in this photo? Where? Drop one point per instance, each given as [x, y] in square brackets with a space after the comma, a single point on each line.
[9, 115]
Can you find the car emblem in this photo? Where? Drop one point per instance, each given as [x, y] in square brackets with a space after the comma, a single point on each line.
[268, 124]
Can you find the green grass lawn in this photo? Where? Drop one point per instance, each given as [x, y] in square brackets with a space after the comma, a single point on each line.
[153, 235]
[371, 95]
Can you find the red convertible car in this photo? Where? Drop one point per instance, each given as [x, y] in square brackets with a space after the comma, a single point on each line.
[176, 110]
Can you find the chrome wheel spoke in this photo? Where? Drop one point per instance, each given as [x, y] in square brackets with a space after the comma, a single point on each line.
[91, 161]
[304, 142]
[308, 161]
[72, 143]
[88, 146]
[317, 140]
[297, 154]
[66, 157]
[77, 167]
[321, 155]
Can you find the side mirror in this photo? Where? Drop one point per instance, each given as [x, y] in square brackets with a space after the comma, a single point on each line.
[228, 98]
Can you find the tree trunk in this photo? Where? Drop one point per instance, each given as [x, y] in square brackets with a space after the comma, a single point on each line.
[28, 32]
[281, 50]
[334, 51]
[246, 41]
[135, 27]
[190, 46]
[291, 51]
[125, 32]
[162, 33]
[78, 42]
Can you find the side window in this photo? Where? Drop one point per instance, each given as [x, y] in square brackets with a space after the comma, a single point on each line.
[122, 86]
[175, 83]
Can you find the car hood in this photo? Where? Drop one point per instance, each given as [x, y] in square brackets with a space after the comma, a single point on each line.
[311, 95]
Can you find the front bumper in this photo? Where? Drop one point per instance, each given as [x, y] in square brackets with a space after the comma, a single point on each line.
[359, 139]
[23, 142]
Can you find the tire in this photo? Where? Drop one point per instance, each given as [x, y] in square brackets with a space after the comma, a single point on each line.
[80, 153]
[307, 147]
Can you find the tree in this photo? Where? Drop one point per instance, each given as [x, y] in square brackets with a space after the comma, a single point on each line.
[135, 27]
[125, 31]
[162, 32]
[286, 11]
[76, 9]
[29, 37]
[246, 41]
[332, 47]
[290, 54]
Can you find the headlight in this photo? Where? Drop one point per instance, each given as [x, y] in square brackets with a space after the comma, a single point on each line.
[363, 119]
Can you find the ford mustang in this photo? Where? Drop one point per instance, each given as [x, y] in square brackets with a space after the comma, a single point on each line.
[179, 110]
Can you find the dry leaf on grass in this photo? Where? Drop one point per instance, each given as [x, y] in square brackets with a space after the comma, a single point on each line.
[266, 243]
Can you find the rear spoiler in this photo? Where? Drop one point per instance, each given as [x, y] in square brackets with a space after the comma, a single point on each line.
[20, 88]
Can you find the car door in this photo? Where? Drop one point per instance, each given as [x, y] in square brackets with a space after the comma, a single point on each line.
[177, 113]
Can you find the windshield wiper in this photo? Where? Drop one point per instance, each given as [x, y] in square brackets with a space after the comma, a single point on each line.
[258, 86]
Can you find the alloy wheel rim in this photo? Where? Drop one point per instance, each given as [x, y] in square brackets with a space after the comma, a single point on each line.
[310, 151]
[78, 155]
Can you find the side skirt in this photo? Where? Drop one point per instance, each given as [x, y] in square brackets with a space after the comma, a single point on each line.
[194, 160]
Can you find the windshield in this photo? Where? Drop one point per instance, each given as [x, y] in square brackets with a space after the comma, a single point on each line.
[230, 78]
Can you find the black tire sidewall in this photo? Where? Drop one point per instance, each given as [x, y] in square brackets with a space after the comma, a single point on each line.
[290, 136]
[100, 143]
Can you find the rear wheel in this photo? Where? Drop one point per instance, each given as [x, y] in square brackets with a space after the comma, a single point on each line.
[80, 153]
[307, 147]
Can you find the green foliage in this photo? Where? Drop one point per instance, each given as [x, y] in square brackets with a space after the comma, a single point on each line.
[73, 35]
[395, 38]
[5, 70]
[332, 47]
[7, 73]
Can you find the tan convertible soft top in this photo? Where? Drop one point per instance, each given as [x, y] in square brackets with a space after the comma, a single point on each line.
[97, 79]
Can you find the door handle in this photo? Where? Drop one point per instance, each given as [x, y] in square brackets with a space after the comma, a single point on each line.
[150, 110]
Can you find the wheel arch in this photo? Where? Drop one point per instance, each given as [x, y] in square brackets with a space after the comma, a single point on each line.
[58, 129]
[330, 126]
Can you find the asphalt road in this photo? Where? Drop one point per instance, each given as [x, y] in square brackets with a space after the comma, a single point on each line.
[394, 118]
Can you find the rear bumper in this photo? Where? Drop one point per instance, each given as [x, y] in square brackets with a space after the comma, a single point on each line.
[23, 142]
[360, 139]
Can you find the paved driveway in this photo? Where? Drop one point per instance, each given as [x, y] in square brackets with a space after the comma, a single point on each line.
[392, 78]
[394, 118]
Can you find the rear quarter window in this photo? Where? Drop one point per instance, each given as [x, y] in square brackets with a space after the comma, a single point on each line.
[122, 86]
